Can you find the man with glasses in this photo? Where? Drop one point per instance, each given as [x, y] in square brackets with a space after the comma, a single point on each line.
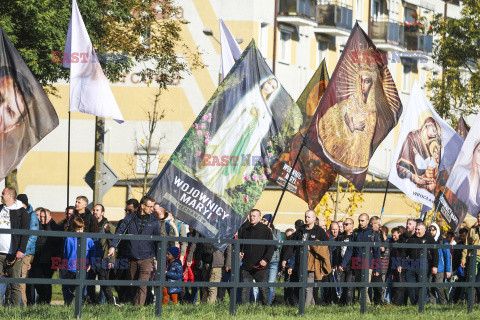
[345, 272]
[140, 253]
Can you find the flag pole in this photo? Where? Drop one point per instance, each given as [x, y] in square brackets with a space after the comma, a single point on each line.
[288, 179]
[68, 160]
[436, 207]
[336, 198]
[384, 198]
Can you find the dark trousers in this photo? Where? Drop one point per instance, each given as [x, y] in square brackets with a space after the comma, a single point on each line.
[123, 291]
[140, 270]
[289, 293]
[398, 293]
[103, 274]
[413, 275]
[347, 275]
[44, 291]
[221, 291]
[259, 275]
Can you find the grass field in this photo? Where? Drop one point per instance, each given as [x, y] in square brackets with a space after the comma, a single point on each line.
[221, 311]
[247, 312]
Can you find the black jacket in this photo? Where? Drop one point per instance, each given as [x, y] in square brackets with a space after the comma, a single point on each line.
[303, 234]
[137, 249]
[48, 247]
[253, 253]
[86, 217]
[364, 235]
[19, 219]
[432, 254]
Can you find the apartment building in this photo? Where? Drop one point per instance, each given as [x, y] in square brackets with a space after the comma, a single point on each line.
[302, 33]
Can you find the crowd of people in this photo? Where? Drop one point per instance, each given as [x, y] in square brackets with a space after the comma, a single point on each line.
[41, 256]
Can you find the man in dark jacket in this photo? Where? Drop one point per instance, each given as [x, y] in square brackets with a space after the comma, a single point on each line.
[255, 257]
[13, 247]
[101, 267]
[346, 274]
[318, 256]
[81, 211]
[415, 264]
[364, 233]
[399, 296]
[140, 253]
[47, 250]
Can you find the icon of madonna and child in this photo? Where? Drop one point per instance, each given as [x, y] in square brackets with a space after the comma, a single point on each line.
[241, 134]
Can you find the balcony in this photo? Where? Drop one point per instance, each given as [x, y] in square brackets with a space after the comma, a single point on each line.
[297, 12]
[416, 40]
[388, 35]
[334, 19]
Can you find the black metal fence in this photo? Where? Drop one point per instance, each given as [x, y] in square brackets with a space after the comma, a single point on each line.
[159, 280]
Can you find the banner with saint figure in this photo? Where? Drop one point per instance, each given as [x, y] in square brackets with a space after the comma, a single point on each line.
[220, 168]
[26, 115]
[311, 177]
[426, 147]
[357, 111]
[461, 194]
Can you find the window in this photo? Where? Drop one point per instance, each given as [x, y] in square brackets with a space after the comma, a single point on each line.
[410, 15]
[285, 46]
[359, 10]
[375, 10]
[264, 39]
[407, 77]
[322, 51]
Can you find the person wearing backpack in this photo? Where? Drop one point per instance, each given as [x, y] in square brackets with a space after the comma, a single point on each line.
[210, 262]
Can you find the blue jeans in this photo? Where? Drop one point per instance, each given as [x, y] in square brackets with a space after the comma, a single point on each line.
[272, 275]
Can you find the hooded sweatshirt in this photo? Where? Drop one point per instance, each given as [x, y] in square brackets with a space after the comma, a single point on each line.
[5, 223]
[444, 255]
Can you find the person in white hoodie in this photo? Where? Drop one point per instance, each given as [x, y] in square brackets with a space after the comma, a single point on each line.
[13, 246]
[444, 268]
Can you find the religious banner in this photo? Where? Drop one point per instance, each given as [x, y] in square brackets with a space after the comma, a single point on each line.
[425, 142]
[221, 167]
[461, 194]
[27, 115]
[359, 108]
[462, 128]
[311, 177]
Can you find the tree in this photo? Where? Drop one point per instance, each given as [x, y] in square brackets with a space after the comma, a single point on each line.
[124, 33]
[148, 146]
[347, 191]
[458, 52]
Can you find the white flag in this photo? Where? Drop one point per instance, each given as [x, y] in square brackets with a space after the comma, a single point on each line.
[89, 88]
[426, 149]
[230, 49]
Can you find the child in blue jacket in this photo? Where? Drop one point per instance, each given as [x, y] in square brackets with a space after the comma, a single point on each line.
[70, 255]
[173, 273]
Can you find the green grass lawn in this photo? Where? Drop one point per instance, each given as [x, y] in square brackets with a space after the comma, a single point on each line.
[221, 311]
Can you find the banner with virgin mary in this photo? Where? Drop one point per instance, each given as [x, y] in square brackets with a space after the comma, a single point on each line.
[221, 167]
[26, 115]
[311, 177]
[359, 108]
[426, 149]
[461, 195]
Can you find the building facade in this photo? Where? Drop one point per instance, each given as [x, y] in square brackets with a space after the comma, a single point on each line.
[304, 33]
